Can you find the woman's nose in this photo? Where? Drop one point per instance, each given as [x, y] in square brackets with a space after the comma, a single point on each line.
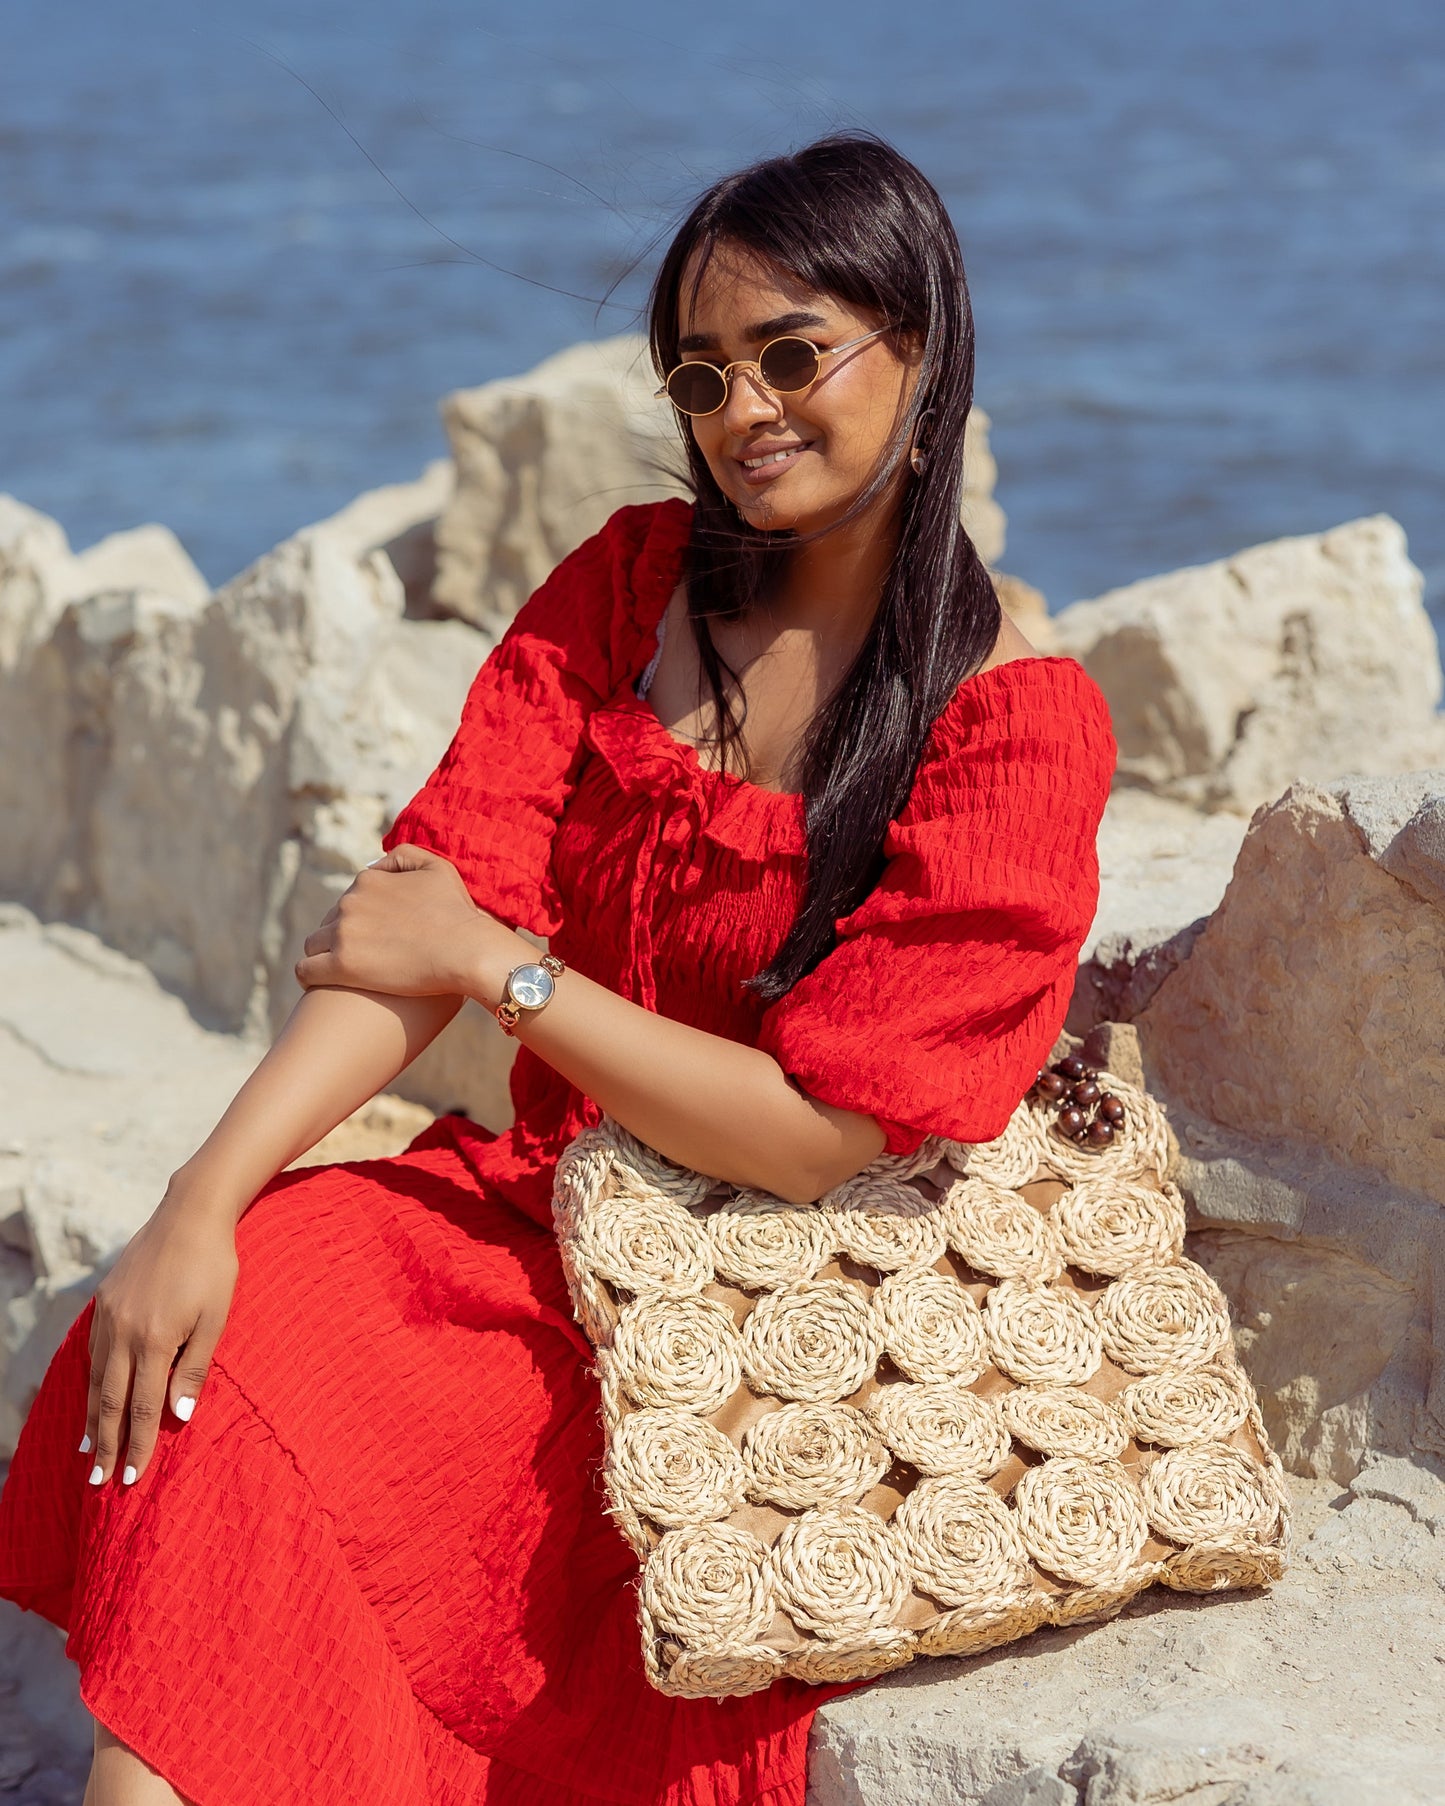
[749, 401]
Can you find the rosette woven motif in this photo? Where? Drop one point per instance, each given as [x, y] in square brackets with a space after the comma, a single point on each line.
[970, 1393]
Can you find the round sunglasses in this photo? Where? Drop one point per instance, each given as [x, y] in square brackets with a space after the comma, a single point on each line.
[784, 365]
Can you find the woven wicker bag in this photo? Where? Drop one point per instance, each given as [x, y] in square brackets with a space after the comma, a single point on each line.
[969, 1393]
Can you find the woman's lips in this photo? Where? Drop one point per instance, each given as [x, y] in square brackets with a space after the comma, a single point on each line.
[774, 468]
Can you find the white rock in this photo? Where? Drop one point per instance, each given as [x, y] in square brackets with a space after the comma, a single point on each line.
[35, 566]
[1239, 1699]
[1404, 827]
[987, 524]
[541, 461]
[1296, 1035]
[1420, 1489]
[147, 558]
[35, 705]
[1328, 1400]
[55, 1729]
[198, 779]
[1163, 868]
[1162, 864]
[1226, 1747]
[1310, 1007]
[1303, 658]
[77, 1218]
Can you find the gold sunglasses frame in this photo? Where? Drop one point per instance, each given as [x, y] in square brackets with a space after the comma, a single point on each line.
[756, 364]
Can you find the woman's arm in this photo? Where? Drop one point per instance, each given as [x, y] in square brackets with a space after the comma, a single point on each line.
[337, 1049]
[704, 1101]
[160, 1310]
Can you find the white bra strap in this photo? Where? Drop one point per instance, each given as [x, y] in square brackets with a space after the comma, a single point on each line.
[644, 683]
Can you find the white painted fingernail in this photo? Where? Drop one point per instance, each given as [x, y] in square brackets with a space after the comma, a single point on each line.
[183, 1408]
[85, 1443]
[97, 1474]
[128, 1477]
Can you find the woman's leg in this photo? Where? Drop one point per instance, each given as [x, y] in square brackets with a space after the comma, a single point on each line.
[118, 1777]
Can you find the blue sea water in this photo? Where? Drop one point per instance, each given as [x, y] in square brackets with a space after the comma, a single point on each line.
[244, 247]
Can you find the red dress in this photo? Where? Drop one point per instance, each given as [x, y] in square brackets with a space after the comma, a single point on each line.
[375, 1564]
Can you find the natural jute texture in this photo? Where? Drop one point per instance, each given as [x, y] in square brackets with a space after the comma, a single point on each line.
[974, 1391]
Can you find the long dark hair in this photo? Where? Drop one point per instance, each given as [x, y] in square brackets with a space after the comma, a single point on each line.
[849, 217]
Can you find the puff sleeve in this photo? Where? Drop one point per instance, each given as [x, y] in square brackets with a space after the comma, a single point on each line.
[949, 983]
[492, 805]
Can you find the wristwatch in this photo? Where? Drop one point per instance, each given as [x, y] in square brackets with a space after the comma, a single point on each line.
[528, 988]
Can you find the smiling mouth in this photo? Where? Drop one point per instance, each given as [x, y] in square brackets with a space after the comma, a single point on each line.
[771, 463]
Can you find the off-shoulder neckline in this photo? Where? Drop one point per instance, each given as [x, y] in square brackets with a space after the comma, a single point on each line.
[690, 756]
[663, 572]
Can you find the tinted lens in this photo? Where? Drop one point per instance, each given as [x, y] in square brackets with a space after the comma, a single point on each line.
[697, 388]
[788, 364]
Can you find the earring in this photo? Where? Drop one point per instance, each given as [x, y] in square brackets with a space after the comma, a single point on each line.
[917, 456]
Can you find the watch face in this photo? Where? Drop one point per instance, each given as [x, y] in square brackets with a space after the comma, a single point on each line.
[531, 986]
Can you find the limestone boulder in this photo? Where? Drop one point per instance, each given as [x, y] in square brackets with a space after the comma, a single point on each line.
[1294, 1031]
[36, 567]
[1234, 1700]
[1122, 972]
[148, 559]
[400, 521]
[216, 759]
[1301, 659]
[1296, 1036]
[196, 778]
[1310, 1007]
[543, 459]
[1162, 865]
[40, 575]
[61, 613]
[46, 1733]
[979, 508]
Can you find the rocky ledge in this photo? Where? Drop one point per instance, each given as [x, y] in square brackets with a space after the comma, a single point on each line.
[189, 779]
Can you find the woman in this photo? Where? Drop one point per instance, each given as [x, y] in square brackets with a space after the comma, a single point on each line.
[811, 828]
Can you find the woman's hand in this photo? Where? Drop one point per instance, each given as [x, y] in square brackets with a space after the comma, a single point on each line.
[406, 927]
[169, 1293]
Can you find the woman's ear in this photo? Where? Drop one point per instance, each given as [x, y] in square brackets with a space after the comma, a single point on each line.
[909, 345]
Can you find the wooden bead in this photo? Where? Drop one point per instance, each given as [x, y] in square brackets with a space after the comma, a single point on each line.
[1072, 1068]
[1071, 1121]
[1086, 1092]
[1099, 1133]
[1052, 1086]
[1111, 1108]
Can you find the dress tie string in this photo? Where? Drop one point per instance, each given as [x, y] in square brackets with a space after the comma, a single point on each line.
[639, 927]
[672, 831]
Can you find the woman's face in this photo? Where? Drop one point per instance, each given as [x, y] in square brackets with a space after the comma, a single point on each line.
[832, 435]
